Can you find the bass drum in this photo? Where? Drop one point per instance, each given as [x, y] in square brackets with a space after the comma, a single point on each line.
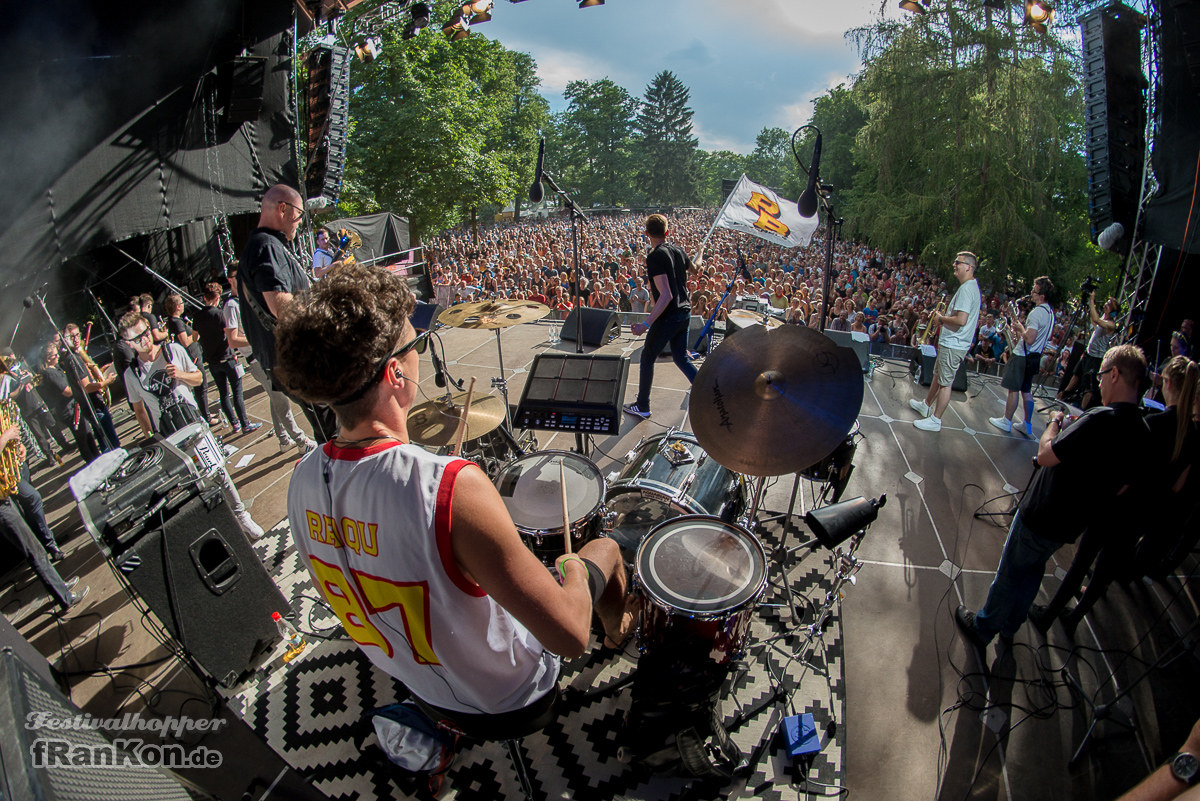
[701, 579]
[670, 475]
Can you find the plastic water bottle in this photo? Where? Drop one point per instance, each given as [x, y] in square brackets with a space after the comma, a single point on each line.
[291, 637]
[554, 336]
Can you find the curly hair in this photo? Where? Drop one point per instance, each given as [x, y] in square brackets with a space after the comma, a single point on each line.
[330, 339]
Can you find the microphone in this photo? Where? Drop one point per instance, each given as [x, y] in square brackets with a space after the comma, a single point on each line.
[807, 204]
[536, 193]
[27, 302]
[314, 203]
[439, 377]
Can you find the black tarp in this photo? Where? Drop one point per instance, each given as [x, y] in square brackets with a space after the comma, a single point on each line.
[1172, 217]
[382, 234]
[115, 127]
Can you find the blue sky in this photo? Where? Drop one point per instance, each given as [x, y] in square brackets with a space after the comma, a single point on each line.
[749, 64]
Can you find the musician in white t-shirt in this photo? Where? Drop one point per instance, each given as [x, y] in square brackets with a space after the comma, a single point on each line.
[958, 329]
[1032, 337]
[161, 377]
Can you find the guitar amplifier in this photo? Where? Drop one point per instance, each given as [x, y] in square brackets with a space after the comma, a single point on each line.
[574, 392]
[156, 478]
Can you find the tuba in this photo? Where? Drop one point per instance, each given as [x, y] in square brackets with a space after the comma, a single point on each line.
[10, 461]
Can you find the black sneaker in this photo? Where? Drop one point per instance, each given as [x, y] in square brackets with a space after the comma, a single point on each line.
[965, 619]
[636, 411]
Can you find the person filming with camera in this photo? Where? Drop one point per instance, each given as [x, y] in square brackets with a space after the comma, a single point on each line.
[1104, 328]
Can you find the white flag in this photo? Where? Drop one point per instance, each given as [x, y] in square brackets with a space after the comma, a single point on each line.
[755, 209]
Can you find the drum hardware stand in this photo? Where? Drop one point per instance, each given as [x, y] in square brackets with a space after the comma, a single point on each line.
[1110, 710]
[183, 293]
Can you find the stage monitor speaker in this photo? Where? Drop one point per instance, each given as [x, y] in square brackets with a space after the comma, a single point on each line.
[34, 761]
[425, 315]
[924, 367]
[600, 326]
[198, 573]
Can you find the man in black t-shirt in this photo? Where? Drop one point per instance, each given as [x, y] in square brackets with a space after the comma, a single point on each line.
[667, 265]
[1095, 459]
[269, 277]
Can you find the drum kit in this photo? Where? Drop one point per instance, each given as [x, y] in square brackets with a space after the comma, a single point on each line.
[769, 401]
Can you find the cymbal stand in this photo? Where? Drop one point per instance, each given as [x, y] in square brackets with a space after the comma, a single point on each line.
[501, 383]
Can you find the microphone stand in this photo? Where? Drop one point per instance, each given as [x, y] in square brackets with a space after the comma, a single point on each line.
[827, 279]
[576, 216]
[183, 293]
[717, 308]
[82, 398]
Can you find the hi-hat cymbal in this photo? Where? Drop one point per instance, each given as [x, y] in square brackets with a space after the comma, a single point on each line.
[435, 422]
[493, 314]
[744, 318]
[771, 401]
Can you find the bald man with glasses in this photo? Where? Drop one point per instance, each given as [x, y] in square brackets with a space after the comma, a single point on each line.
[269, 276]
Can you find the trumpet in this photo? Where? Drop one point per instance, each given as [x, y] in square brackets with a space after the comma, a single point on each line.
[931, 325]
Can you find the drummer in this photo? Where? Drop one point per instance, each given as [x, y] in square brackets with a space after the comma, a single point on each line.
[416, 553]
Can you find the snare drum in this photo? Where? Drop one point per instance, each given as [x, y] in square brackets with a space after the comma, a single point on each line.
[531, 491]
[196, 440]
[701, 578]
[670, 475]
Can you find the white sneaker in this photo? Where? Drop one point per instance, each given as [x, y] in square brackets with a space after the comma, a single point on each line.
[307, 444]
[252, 529]
[286, 444]
[1002, 423]
[919, 406]
[929, 424]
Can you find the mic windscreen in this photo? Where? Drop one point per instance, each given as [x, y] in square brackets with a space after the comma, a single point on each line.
[807, 204]
[1110, 236]
[27, 302]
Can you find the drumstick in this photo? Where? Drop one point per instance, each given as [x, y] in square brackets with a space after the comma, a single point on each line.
[562, 481]
[462, 421]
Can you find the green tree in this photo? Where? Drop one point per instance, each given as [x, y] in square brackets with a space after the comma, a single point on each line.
[436, 131]
[595, 131]
[840, 118]
[667, 150]
[771, 162]
[973, 139]
[712, 168]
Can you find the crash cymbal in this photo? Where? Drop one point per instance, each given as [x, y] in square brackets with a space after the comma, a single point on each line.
[492, 314]
[435, 422]
[771, 401]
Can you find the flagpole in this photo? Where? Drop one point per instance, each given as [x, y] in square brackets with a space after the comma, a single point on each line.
[725, 205]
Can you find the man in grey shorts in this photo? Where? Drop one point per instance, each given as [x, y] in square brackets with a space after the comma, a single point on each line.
[958, 329]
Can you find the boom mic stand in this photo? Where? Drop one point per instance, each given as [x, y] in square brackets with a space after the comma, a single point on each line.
[576, 217]
[183, 293]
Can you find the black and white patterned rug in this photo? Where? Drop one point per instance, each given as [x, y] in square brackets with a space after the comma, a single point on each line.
[313, 711]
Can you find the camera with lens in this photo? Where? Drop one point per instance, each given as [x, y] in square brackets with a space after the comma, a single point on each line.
[1089, 285]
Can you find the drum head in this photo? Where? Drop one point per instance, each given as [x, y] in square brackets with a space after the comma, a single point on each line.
[701, 565]
[638, 510]
[530, 489]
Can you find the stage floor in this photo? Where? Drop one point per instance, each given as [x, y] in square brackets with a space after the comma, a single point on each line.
[915, 714]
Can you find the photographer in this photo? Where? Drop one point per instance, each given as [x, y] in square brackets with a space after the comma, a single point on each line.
[1104, 328]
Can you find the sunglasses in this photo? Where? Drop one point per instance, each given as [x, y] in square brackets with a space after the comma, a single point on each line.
[136, 337]
[420, 344]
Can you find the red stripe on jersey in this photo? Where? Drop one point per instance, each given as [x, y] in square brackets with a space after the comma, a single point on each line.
[441, 526]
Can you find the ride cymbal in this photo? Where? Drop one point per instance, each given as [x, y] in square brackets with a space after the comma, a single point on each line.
[491, 314]
[435, 422]
[771, 401]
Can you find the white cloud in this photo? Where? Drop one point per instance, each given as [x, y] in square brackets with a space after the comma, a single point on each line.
[712, 140]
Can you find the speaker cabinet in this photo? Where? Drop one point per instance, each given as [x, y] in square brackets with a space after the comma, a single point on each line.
[198, 573]
[600, 326]
[31, 759]
[924, 365]
[425, 315]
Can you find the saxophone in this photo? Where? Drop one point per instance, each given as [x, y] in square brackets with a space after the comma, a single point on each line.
[10, 461]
